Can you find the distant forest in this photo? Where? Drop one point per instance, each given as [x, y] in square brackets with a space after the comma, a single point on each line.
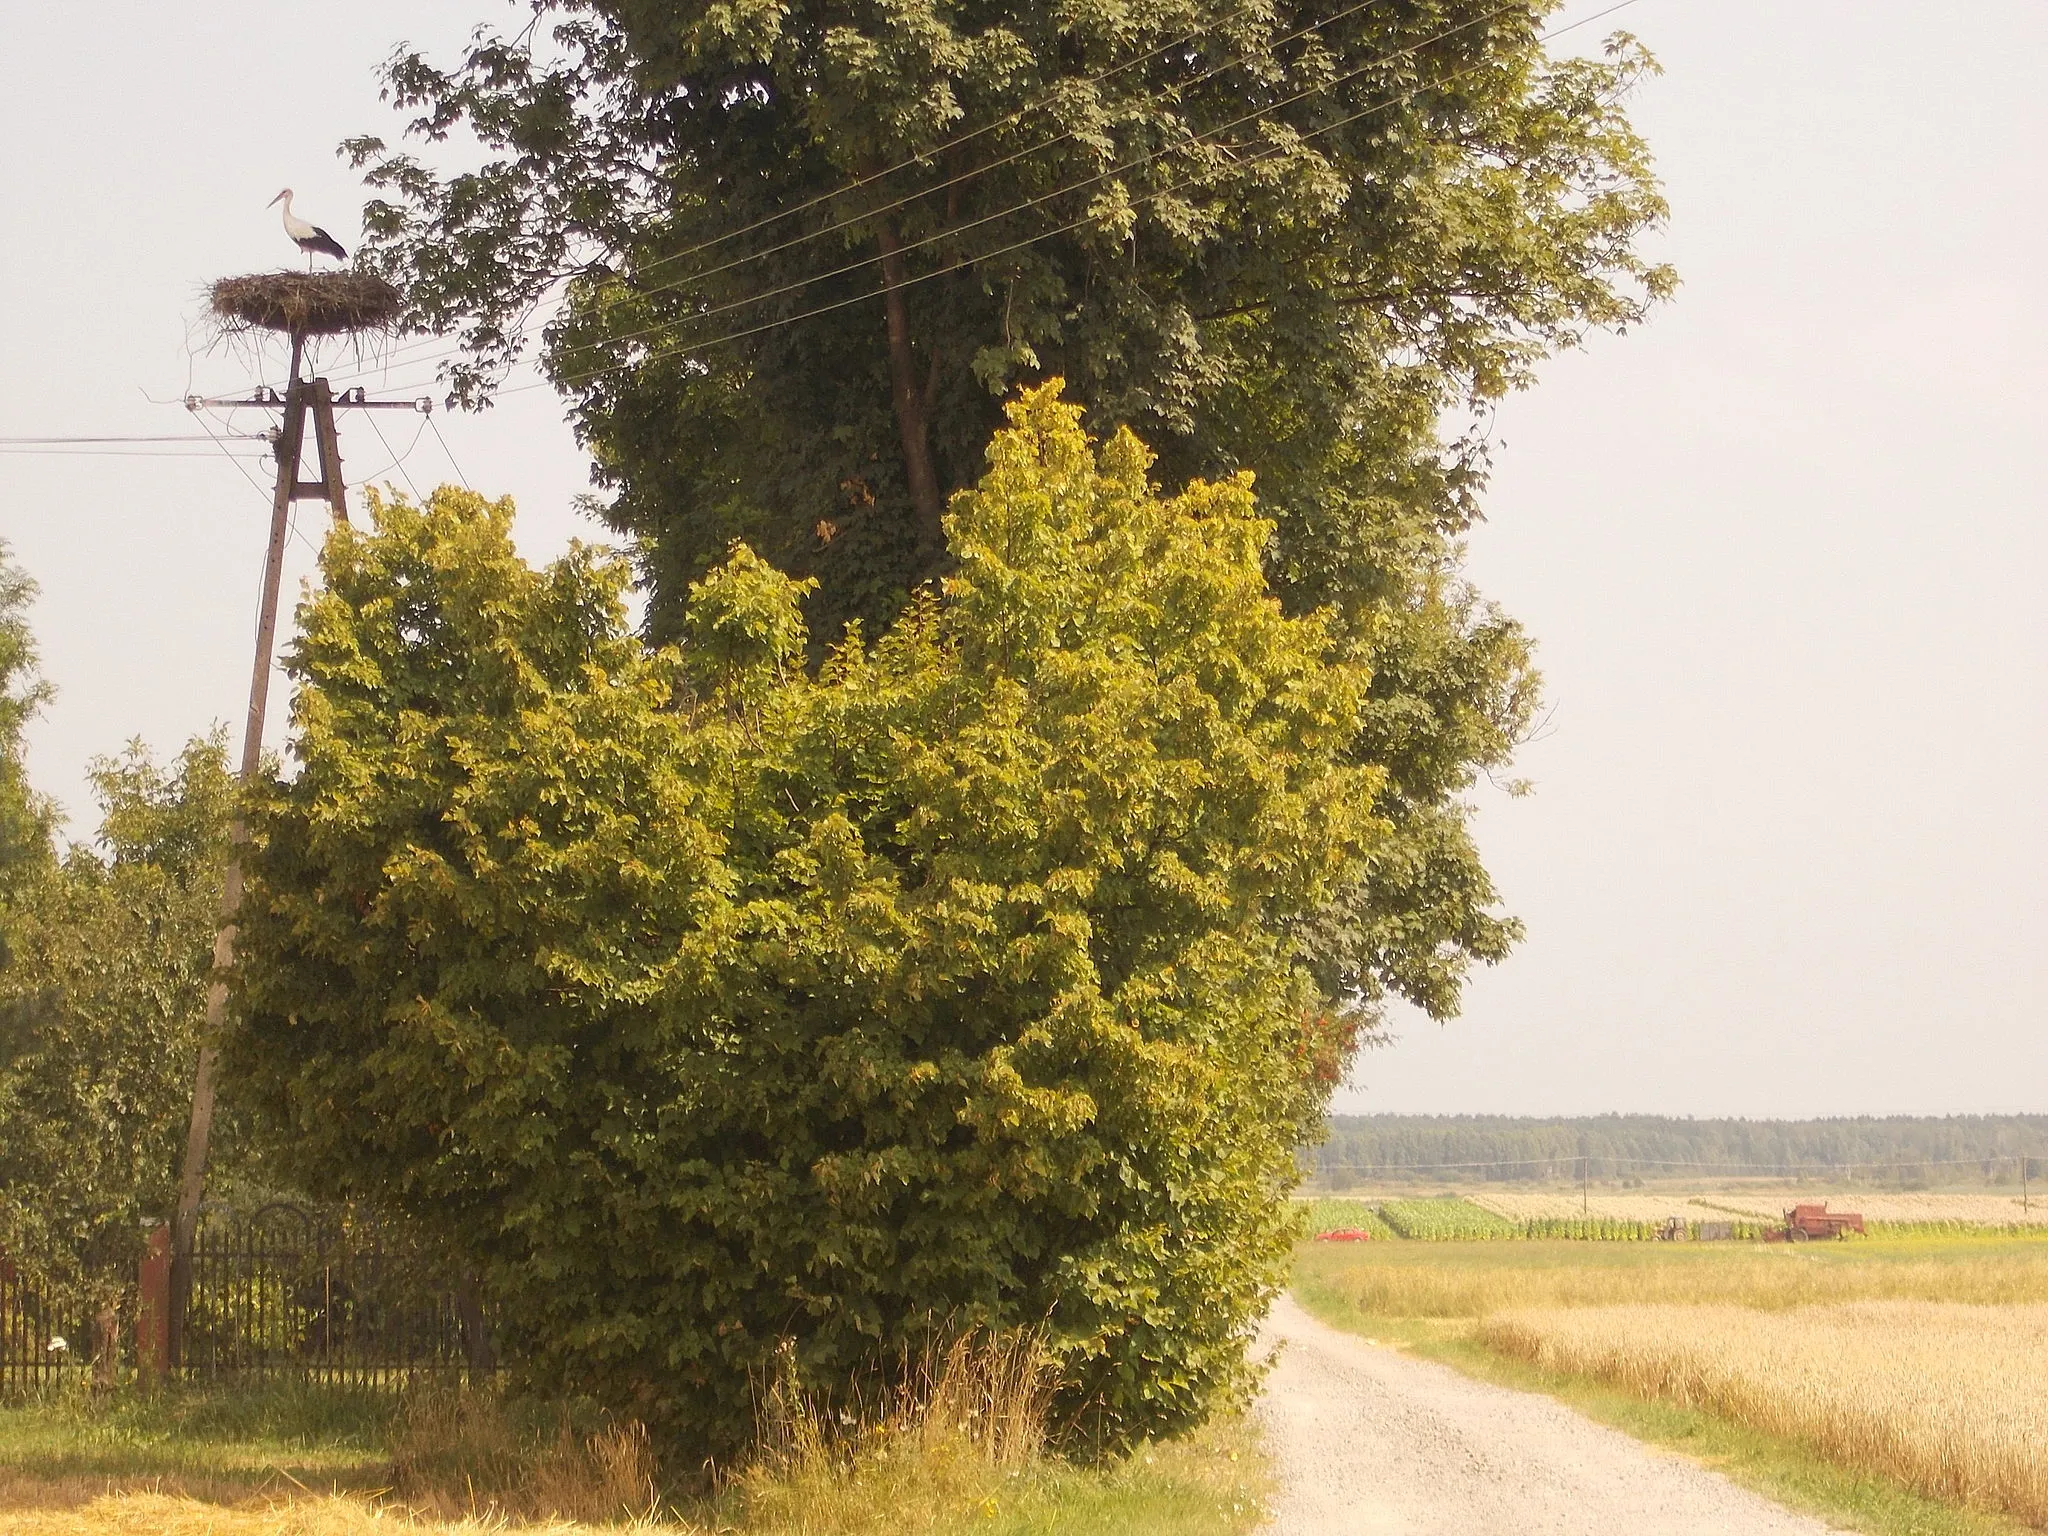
[1902, 1151]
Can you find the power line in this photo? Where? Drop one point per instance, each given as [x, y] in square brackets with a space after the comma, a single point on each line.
[398, 460]
[1153, 196]
[176, 437]
[927, 153]
[459, 475]
[1030, 203]
[1015, 155]
[243, 469]
[102, 453]
[1375, 62]
[930, 151]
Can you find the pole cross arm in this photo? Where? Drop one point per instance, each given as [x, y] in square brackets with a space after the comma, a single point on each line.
[266, 398]
[353, 400]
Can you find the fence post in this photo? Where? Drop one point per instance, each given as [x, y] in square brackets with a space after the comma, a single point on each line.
[153, 1307]
[475, 1333]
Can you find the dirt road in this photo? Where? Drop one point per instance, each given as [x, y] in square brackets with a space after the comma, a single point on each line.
[1367, 1440]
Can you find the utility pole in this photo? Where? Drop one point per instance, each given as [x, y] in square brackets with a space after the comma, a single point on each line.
[303, 398]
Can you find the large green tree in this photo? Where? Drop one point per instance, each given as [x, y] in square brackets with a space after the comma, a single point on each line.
[809, 246]
[709, 1003]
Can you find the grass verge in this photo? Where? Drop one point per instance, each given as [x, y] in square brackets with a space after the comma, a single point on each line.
[295, 1461]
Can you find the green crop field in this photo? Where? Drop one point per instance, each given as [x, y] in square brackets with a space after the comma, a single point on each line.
[1328, 1215]
[1446, 1218]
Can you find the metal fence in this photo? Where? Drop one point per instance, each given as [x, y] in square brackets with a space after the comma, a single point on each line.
[38, 1345]
[287, 1289]
[318, 1293]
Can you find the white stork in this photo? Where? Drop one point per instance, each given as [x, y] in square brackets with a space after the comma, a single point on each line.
[310, 238]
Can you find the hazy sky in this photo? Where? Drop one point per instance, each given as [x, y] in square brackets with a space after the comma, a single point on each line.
[1783, 548]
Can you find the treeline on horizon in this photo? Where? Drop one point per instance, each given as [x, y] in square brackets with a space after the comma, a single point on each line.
[1906, 1150]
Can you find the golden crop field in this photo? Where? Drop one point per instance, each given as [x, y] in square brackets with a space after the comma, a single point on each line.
[1692, 1204]
[1950, 1399]
[1420, 1280]
[1965, 1210]
[1561, 1205]
[1920, 1358]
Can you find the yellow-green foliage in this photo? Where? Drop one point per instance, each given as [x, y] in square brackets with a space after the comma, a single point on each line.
[710, 1004]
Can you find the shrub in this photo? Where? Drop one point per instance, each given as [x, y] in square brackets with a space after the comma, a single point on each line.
[102, 1001]
[723, 1012]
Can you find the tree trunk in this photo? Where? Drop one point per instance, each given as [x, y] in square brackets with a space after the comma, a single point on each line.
[925, 497]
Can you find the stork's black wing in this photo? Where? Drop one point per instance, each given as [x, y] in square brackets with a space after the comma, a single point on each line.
[324, 244]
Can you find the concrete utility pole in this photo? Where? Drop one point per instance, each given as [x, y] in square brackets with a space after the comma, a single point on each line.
[303, 398]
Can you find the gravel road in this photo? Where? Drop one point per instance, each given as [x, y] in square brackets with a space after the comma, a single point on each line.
[1365, 1439]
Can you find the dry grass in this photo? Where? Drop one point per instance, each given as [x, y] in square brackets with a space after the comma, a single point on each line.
[157, 1514]
[459, 1454]
[1949, 1399]
[955, 1445]
[958, 1426]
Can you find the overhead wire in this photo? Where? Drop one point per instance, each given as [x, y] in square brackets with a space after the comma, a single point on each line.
[104, 453]
[1153, 196]
[604, 302]
[253, 483]
[173, 437]
[397, 459]
[459, 475]
[1199, 139]
[425, 349]
[984, 256]
[1020, 154]
[928, 152]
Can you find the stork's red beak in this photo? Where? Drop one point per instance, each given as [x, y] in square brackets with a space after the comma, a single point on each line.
[287, 192]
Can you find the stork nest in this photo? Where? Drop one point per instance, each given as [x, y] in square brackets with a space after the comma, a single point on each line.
[305, 303]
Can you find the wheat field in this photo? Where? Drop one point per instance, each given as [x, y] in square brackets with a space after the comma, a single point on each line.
[1413, 1280]
[1645, 1205]
[1950, 1399]
[1905, 1209]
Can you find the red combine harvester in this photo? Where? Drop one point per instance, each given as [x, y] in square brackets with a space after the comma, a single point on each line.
[1805, 1222]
